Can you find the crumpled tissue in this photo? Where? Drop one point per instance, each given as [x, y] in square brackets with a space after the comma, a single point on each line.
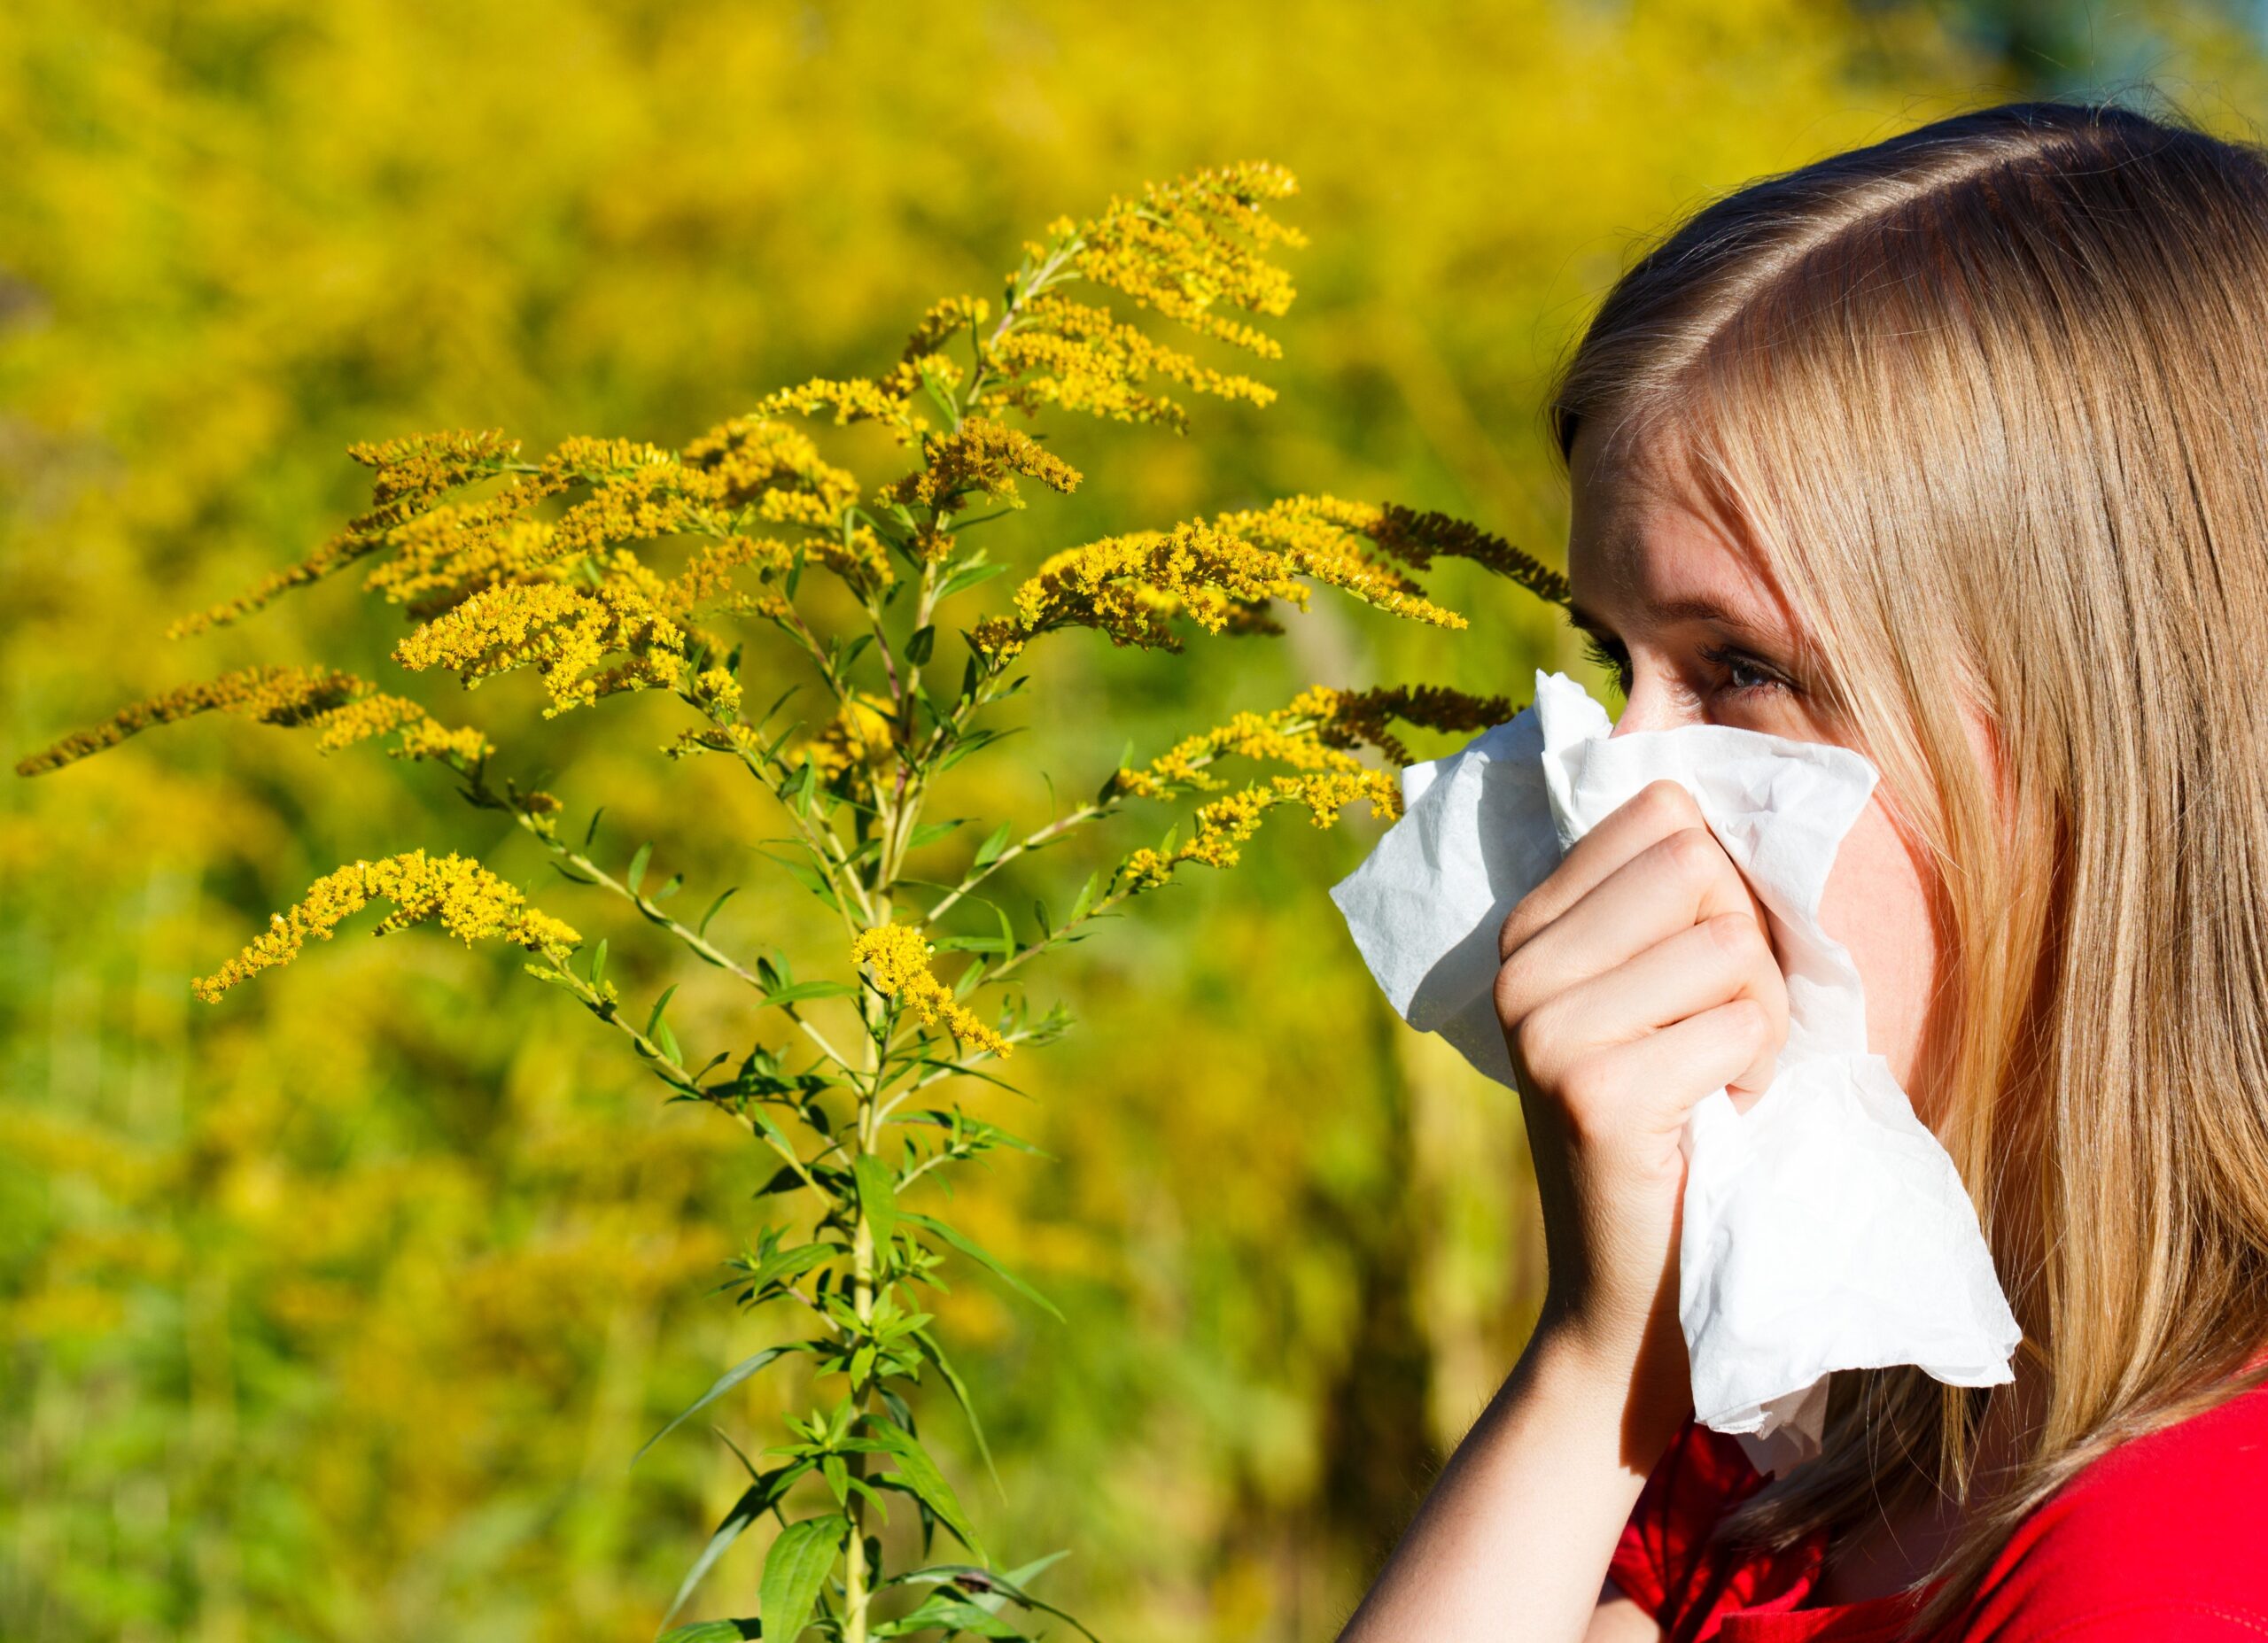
[1824, 1228]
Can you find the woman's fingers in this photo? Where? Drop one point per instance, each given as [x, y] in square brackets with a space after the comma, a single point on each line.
[1703, 1050]
[1655, 812]
[1694, 969]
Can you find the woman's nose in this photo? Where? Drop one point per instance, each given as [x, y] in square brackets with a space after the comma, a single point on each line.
[1647, 707]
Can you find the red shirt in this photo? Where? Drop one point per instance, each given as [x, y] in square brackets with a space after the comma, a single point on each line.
[2163, 1539]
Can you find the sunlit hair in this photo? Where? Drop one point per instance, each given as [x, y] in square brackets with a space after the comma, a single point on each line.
[1988, 400]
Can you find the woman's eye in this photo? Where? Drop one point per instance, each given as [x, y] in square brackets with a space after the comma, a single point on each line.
[1745, 675]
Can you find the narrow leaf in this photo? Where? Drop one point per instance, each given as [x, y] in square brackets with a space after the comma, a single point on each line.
[725, 1382]
[984, 1257]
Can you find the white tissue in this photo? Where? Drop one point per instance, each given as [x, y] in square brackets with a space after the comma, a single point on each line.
[1824, 1228]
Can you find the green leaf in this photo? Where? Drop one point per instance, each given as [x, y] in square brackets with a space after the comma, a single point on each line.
[715, 1631]
[660, 1005]
[967, 577]
[574, 875]
[923, 641]
[936, 1354]
[877, 1196]
[701, 928]
[598, 963]
[984, 1257]
[638, 865]
[795, 1573]
[802, 991]
[994, 842]
[725, 1382]
[929, 832]
[592, 831]
[921, 1476]
[752, 1504]
[1085, 899]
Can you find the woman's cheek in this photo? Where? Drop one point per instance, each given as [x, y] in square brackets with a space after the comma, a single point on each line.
[1876, 904]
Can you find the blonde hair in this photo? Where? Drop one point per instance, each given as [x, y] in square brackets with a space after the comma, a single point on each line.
[1987, 401]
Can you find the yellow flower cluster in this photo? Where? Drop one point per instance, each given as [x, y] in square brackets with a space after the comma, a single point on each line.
[946, 318]
[857, 399]
[346, 710]
[1085, 359]
[1200, 239]
[705, 583]
[468, 901]
[562, 628]
[1228, 822]
[980, 458]
[774, 465]
[1214, 572]
[896, 957]
[1291, 734]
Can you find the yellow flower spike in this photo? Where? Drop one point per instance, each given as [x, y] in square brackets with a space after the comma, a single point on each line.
[412, 474]
[896, 957]
[946, 318]
[467, 900]
[345, 708]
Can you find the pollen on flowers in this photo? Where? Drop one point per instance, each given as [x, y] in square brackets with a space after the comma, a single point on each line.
[467, 900]
[896, 957]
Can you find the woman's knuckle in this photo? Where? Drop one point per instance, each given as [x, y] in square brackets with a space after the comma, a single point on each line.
[1692, 853]
[1667, 801]
[1738, 935]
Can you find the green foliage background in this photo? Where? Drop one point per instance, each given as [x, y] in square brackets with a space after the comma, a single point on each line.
[337, 1310]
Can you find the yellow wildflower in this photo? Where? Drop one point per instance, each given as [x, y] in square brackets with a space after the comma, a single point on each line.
[1084, 358]
[857, 399]
[705, 583]
[562, 628]
[468, 900]
[896, 957]
[981, 457]
[756, 459]
[946, 317]
[1131, 586]
[1417, 538]
[1198, 240]
[344, 708]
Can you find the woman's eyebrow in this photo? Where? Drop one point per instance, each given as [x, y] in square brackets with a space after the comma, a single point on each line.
[1691, 607]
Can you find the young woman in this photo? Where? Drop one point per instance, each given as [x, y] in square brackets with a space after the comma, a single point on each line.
[1952, 449]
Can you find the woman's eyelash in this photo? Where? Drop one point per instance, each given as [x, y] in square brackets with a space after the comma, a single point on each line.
[1610, 657]
[1733, 660]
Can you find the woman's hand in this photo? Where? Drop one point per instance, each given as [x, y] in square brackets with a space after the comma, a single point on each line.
[1635, 980]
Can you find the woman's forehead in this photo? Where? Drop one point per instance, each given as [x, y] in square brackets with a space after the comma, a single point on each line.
[1644, 546]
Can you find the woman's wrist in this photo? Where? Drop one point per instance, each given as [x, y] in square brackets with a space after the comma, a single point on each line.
[1641, 1392]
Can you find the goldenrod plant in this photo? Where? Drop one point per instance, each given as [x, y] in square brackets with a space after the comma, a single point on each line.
[608, 566]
